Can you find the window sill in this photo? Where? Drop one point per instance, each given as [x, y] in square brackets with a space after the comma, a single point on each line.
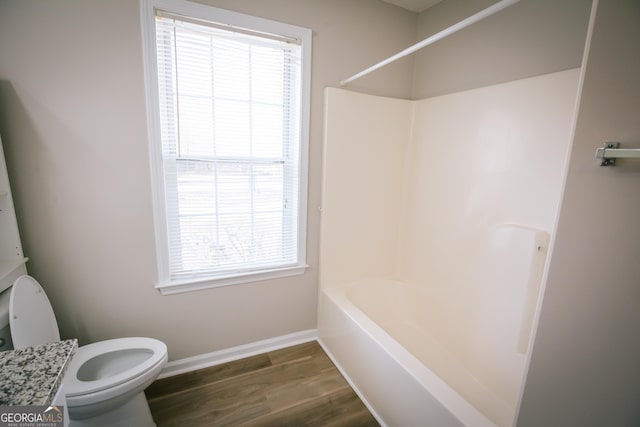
[200, 283]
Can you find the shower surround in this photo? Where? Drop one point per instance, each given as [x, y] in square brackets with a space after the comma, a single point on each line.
[436, 217]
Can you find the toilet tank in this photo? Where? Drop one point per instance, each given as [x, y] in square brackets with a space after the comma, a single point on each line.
[5, 332]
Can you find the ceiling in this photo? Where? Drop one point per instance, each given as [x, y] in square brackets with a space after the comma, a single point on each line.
[414, 5]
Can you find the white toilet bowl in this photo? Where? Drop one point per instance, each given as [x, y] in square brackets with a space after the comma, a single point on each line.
[104, 382]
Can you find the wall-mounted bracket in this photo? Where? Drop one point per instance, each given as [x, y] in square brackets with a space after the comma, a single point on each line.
[601, 153]
[611, 151]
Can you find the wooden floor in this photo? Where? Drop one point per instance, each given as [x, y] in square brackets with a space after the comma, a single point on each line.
[295, 386]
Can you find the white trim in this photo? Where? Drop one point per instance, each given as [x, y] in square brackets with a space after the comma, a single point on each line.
[197, 284]
[182, 7]
[189, 364]
[147, 25]
[352, 384]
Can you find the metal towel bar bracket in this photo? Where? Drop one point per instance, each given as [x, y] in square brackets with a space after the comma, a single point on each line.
[611, 151]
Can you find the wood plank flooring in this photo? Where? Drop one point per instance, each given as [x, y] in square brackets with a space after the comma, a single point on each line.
[295, 386]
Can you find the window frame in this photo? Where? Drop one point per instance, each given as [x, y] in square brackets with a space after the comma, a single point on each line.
[165, 283]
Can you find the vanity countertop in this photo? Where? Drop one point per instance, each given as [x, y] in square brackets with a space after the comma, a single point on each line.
[32, 375]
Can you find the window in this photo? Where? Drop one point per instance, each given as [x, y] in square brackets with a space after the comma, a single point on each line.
[228, 105]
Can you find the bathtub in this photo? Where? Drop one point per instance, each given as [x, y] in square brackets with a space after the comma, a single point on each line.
[418, 357]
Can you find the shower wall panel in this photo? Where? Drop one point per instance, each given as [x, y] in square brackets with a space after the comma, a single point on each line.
[481, 159]
[366, 139]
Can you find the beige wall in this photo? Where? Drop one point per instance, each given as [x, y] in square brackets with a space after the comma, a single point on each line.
[527, 39]
[72, 117]
[585, 362]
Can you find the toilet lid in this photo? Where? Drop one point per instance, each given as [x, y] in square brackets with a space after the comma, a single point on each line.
[31, 317]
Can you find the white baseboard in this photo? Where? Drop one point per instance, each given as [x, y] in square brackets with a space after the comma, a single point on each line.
[181, 366]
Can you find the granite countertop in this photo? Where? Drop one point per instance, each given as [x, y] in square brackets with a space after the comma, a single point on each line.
[32, 375]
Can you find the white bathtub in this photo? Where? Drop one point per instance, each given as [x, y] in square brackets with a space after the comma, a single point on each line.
[418, 357]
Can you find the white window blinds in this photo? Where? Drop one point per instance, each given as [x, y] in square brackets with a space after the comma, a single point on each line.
[230, 119]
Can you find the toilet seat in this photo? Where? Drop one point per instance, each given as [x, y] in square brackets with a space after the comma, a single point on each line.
[106, 364]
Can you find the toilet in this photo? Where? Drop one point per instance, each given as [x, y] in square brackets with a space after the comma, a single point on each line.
[105, 381]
